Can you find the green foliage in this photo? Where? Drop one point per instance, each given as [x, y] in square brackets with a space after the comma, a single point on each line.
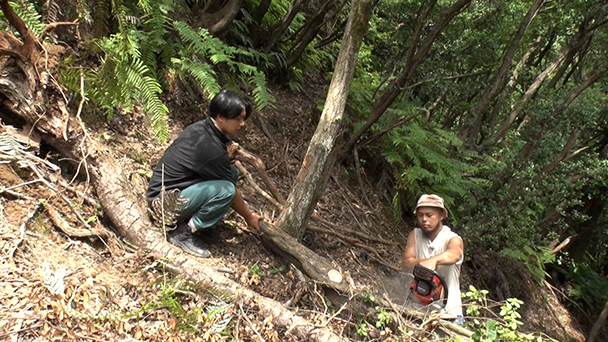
[383, 318]
[26, 10]
[144, 50]
[275, 270]
[361, 329]
[533, 257]
[256, 270]
[428, 159]
[368, 297]
[587, 284]
[502, 328]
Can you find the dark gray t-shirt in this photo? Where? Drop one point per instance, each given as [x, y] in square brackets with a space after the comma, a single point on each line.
[198, 154]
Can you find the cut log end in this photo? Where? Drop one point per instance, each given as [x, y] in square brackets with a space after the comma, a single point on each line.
[335, 276]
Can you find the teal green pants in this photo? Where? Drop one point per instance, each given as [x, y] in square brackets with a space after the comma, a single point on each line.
[207, 202]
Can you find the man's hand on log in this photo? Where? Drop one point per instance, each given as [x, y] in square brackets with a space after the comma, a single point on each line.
[253, 221]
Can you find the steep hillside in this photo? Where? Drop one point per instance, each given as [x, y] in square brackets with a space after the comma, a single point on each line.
[112, 291]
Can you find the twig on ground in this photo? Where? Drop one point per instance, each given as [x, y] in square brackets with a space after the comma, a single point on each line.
[16, 194]
[252, 182]
[400, 319]
[250, 324]
[23, 228]
[353, 232]
[65, 227]
[20, 185]
[337, 312]
[57, 193]
[358, 174]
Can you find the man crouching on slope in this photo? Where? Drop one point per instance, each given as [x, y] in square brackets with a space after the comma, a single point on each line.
[197, 169]
[437, 247]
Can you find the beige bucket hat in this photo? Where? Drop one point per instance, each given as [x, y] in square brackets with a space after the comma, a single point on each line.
[431, 201]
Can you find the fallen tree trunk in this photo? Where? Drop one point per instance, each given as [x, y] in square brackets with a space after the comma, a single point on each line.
[126, 212]
[305, 259]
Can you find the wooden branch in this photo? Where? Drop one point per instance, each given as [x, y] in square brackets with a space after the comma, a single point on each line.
[245, 156]
[561, 246]
[65, 227]
[447, 326]
[29, 40]
[51, 26]
[358, 172]
[354, 232]
[314, 265]
[13, 53]
[314, 217]
[598, 324]
[255, 185]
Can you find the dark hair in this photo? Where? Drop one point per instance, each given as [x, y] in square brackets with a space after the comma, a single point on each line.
[229, 105]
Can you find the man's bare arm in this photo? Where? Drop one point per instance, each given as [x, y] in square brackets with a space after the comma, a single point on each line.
[241, 207]
[451, 256]
[408, 260]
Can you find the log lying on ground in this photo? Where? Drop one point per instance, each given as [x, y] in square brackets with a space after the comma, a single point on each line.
[314, 266]
[128, 215]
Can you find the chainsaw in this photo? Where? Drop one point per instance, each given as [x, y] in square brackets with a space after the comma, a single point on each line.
[429, 287]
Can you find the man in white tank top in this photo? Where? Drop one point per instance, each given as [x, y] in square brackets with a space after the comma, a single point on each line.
[435, 246]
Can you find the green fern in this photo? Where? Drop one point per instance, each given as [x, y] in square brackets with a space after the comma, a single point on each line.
[147, 47]
[214, 51]
[428, 160]
[533, 257]
[101, 18]
[27, 12]
[261, 96]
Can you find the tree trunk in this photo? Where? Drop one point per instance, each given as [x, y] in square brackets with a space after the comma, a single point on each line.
[598, 324]
[294, 8]
[470, 130]
[261, 11]
[582, 35]
[30, 43]
[218, 22]
[311, 30]
[387, 98]
[519, 106]
[314, 172]
[506, 91]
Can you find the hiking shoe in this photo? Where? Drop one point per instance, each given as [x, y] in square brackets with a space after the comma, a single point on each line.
[183, 238]
[211, 235]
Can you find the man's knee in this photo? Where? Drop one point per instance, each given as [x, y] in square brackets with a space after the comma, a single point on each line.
[226, 191]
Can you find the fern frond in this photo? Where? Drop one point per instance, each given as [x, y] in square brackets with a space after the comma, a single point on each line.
[149, 90]
[27, 12]
[101, 18]
[52, 11]
[202, 73]
[261, 96]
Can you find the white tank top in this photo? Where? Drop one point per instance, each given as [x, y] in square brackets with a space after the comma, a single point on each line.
[425, 249]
